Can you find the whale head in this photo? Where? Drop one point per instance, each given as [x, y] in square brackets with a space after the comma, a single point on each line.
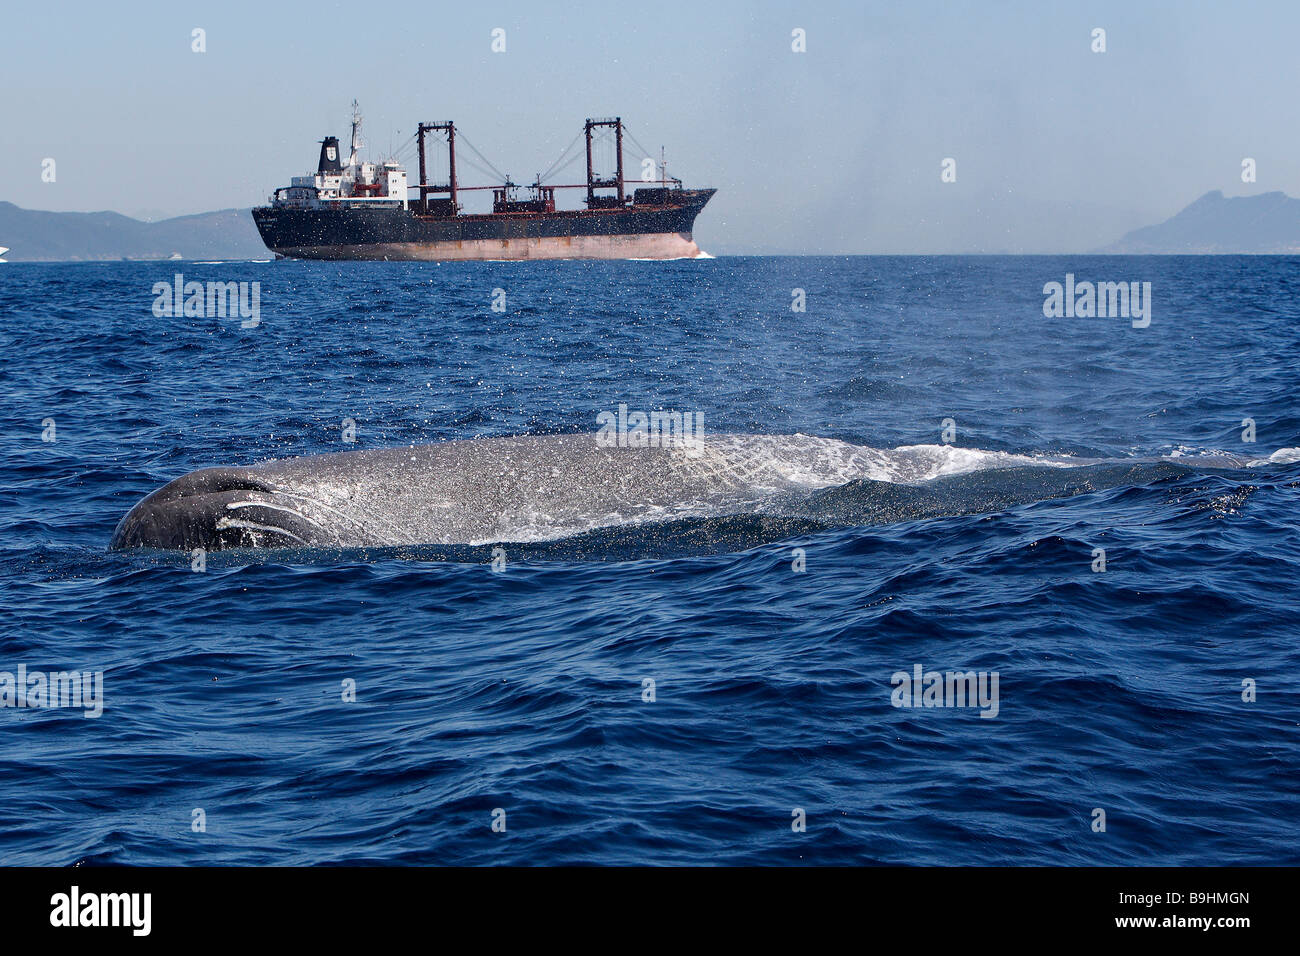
[213, 509]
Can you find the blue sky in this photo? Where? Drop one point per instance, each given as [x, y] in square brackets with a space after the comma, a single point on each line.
[834, 150]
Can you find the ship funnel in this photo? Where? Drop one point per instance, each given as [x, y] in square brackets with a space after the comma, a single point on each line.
[329, 156]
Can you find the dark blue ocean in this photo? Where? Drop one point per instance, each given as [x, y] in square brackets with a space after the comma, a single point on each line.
[519, 695]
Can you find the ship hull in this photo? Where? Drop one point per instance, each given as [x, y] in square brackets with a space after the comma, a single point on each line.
[650, 246]
[387, 233]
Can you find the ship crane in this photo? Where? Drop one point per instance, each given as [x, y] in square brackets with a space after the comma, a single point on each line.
[447, 206]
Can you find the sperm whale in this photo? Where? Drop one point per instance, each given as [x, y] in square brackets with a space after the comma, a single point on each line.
[537, 488]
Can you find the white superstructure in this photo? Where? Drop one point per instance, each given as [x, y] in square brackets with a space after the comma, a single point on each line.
[354, 183]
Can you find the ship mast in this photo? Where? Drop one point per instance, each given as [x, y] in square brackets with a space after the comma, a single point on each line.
[354, 159]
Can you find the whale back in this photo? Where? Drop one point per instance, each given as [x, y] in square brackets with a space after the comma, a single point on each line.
[550, 487]
[474, 491]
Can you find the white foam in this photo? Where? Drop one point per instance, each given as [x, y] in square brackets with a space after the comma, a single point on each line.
[1213, 457]
[1283, 456]
[824, 462]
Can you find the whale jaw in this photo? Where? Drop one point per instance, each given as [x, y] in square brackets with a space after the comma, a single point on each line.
[212, 509]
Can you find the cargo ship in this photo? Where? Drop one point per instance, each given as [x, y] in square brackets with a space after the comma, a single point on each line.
[365, 210]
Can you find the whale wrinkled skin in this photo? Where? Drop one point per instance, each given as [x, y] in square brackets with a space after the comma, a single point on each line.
[474, 491]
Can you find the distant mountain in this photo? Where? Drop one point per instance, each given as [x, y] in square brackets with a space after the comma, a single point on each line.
[34, 236]
[1214, 225]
